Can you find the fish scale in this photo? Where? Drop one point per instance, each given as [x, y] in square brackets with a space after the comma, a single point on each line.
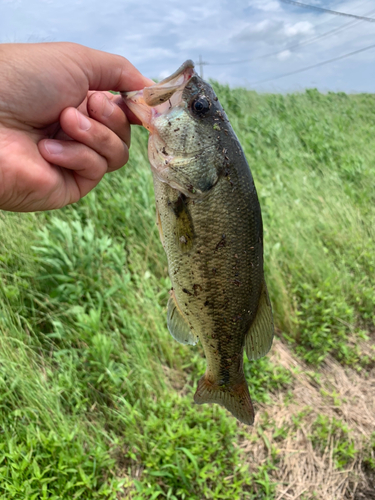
[210, 225]
[227, 270]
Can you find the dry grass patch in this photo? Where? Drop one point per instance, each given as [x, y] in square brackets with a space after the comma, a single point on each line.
[318, 433]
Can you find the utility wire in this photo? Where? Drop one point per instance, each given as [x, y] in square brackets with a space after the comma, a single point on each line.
[325, 34]
[335, 12]
[289, 47]
[260, 57]
[314, 65]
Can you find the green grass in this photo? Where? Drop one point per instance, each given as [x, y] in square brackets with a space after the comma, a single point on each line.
[325, 429]
[96, 397]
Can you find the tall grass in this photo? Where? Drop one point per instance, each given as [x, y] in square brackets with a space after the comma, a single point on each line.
[96, 398]
[313, 160]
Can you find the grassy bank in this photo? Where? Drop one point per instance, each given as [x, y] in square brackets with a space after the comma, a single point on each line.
[96, 397]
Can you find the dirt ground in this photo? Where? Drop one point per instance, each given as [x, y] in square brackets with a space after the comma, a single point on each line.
[306, 469]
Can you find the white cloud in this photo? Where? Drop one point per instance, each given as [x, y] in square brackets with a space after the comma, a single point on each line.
[285, 54]
[300, 28]
[266, 5]
[274, 31]
[177, 17]
[194, 44]
[258, 31]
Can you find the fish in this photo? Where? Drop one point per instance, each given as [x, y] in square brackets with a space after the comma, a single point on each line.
[210, 225]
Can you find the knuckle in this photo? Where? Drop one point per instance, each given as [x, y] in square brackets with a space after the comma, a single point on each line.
[101, 107]
[98, 167]
[101, 138]
[120, 156]
[93, 165]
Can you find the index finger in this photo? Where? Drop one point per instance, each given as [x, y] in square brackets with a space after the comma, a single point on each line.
[119, 101]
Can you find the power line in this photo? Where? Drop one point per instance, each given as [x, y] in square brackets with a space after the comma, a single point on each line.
[314, 65]
[290, 47]
[335, 12]
[323, 35]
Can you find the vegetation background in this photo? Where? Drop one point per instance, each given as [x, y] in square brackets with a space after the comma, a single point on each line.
[96, 399]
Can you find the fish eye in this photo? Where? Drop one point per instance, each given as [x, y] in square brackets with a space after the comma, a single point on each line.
[200, 105]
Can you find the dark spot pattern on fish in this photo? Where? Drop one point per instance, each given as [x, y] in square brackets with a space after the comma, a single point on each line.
[205, 185]
[222, 243]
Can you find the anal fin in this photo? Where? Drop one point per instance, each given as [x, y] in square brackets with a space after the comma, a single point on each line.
[258, 340]
[178, 326]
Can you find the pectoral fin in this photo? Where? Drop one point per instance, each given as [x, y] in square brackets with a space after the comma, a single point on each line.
[258, 340]
[177, 324]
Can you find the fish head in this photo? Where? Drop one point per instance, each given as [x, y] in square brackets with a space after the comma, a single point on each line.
[182, 114]
[151, 103]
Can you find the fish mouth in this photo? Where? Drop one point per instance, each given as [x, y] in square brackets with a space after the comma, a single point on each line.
[156, 100]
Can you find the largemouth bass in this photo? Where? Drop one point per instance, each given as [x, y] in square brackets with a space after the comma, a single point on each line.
[210, 225]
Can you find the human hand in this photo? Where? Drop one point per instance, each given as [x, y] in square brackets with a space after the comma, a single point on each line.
[57, 137]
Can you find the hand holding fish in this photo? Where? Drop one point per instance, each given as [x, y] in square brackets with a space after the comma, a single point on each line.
[58, 136]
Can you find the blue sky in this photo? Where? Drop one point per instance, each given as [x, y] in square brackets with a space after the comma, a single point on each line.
[157, 36]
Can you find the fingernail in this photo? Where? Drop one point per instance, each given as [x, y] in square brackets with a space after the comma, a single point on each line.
[83, 122]
[108, 107]
[53, 147]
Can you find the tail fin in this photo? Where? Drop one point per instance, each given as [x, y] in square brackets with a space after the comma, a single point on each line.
[234, 398]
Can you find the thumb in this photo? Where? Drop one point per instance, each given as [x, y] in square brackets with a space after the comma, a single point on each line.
[107, 71]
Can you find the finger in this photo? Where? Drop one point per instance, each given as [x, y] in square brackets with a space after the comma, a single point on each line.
[108, 71]
[96, 136]
[102, 107]
[131, 117]
[61, 135]
[88, 166]
[119, 100]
